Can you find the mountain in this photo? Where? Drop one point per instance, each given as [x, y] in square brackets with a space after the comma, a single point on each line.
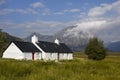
[5, 39]
[75, 40]
[41, 37]
[114, 46]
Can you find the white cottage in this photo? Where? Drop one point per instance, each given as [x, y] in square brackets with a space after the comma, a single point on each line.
[38, 50]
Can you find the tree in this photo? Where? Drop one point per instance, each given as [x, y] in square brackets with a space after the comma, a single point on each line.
[95, 49]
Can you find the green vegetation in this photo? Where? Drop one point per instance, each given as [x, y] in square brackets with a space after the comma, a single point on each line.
[3, 43]
[78, 69]
[95, 49]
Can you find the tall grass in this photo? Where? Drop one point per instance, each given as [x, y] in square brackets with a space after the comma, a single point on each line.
[77, 69]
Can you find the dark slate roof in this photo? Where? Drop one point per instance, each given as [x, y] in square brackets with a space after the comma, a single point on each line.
[26, 46]
[53, 47]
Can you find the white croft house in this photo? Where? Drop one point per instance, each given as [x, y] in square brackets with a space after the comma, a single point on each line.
[37, 50]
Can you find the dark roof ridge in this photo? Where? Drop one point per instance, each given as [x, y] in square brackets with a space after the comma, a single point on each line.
[53, 47]
[26, 46]
[50, 42]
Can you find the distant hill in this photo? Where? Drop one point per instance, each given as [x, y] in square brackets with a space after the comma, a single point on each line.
[114, 46]
[5, 39]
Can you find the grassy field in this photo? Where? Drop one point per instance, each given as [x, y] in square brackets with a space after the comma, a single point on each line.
[78, 69]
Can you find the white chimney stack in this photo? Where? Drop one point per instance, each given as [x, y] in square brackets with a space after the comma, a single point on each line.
[34, 39]
[57, 41]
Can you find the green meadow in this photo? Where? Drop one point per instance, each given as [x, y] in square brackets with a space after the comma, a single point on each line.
[78, 69]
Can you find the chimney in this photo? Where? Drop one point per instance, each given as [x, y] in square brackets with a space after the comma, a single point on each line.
[57, 41]
[34, 39]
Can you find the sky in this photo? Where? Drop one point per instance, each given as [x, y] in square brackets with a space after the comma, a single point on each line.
[98, 17]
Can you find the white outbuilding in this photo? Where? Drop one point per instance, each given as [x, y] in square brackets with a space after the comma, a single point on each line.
[38, 50]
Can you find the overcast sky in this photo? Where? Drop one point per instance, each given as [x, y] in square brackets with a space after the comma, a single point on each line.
[98, 17]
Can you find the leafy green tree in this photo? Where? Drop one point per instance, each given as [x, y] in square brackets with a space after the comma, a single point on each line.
[95, 49]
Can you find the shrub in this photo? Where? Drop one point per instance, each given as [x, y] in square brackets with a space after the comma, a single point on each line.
[95, 49]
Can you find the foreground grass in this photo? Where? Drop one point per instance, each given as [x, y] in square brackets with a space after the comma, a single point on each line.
[77, 69]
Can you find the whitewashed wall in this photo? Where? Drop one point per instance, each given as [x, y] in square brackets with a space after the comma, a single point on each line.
[37, 56]
[54, 56]
[70, 56]
[51, 56]
[13, 52]
[47, 56]
[63, 56]
[27, 56]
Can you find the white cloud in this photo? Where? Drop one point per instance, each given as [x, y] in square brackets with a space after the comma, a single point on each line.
[37, 5]
[105, 29]
[104, 8]
[98, 11]
[6, 11]
[69, 3]
[29, 10]
[21, 11]
[88, 25]
[58, 13]
[43, 27]
[72, 10]
[67, 11]
[26, 11]
[2, 2]
[46, 11]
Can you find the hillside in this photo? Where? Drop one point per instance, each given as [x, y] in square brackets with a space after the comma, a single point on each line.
[5, 39]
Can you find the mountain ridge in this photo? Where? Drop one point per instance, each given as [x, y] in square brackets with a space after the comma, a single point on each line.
[113, 46]
[76, 43]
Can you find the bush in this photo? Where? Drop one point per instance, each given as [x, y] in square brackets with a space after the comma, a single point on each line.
[95, 49]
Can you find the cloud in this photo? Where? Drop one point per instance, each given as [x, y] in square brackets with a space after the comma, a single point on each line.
[105, 29]
[69, 3]
[2, 2]
[43, 27]
[6, 11]
[104, 8]
[97, 24]
[21, 11]
[98, 11]
[28, 10]
[46, 11]
[91, 24]
[59, 13]
[37, 5]
[67, 11]
[72, 10]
